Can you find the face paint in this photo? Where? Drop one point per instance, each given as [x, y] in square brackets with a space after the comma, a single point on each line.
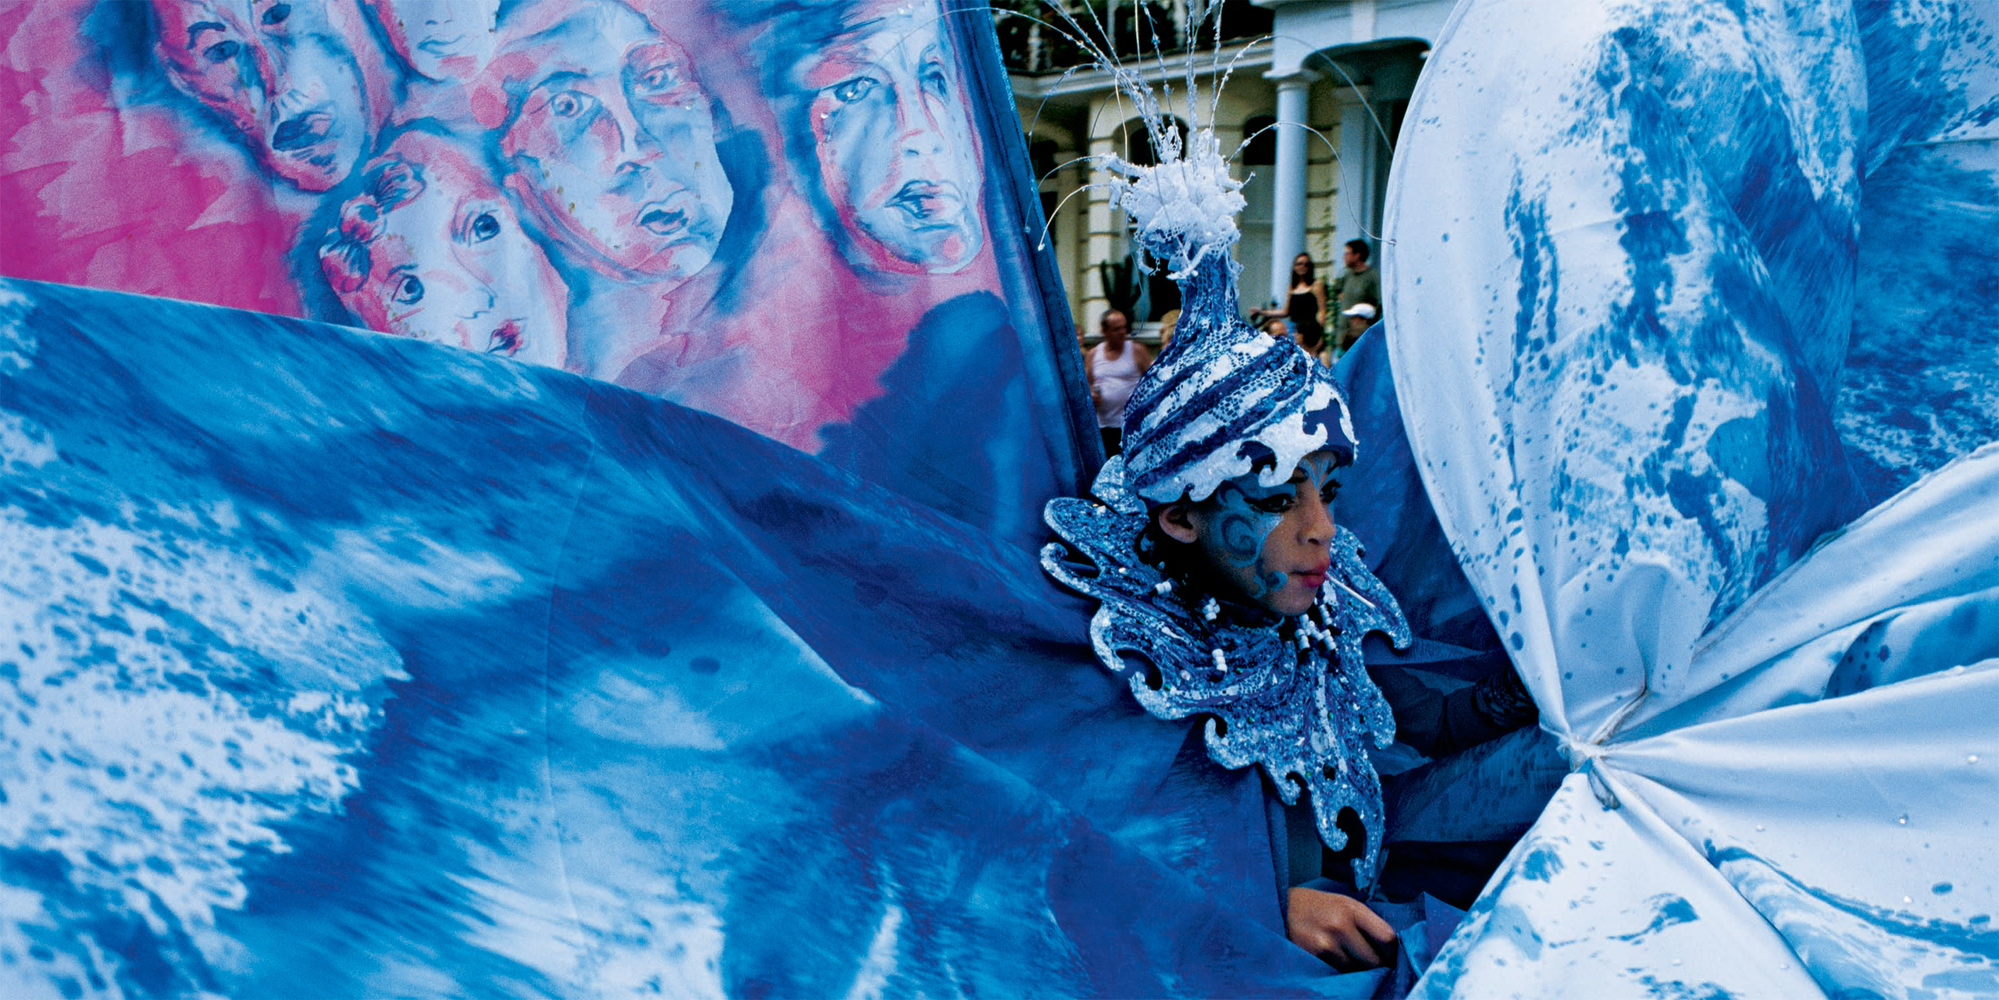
[1273, 542]
[1243, 516]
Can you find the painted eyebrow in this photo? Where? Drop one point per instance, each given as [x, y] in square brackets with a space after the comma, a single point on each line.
[194, 31]
[466, 212]
[559, 77]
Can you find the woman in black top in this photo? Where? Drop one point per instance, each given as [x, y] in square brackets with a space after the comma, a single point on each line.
[1306, 308]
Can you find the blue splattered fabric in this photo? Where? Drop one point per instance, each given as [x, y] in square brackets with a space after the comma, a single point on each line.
[1689, 315]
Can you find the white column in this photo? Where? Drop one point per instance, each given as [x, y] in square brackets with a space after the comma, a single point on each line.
[1287, 217]
[1355, 190]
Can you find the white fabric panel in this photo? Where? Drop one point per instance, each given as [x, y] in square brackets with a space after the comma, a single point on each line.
[1593, 413]
[1910, 588]
[1865, 828]
[1598, 902]
[1620, 262]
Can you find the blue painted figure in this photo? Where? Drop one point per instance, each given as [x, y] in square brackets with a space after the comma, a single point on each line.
[892, 145]
[1227, 591]
[613, 143]
[282, 76]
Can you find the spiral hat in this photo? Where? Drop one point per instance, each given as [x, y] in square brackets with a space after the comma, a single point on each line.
[1224, 399]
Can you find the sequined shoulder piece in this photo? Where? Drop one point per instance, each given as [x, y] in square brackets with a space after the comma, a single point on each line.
[1292, 697]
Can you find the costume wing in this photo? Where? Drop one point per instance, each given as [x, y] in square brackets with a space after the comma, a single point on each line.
[404, 671]
[1655, 356]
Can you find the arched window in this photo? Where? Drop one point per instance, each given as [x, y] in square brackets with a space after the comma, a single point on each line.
[1138, 146]
[1261, 139]
[1041, 155]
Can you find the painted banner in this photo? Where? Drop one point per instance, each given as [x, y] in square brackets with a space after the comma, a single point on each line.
[809, 218]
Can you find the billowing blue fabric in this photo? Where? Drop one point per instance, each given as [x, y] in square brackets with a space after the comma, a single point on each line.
[862, 284]
[351, 661]
[398, 671]
[1688, 317]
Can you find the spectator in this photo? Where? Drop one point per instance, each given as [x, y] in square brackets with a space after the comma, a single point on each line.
[1113, 368]
[1360, 284]
[1357, 320]
[1306, 308]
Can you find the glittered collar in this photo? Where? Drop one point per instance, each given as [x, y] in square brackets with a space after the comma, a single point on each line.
[1291, 695]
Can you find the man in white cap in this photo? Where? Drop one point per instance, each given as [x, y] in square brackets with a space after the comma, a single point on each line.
[1360, 283]
[1359, 317]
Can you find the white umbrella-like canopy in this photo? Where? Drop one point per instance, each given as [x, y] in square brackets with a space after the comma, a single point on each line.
[1689, 315]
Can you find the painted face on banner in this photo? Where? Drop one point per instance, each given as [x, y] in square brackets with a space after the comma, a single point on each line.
[283, 75]
[446, 259]
[614, 145]
[440, 39]
[894, 140]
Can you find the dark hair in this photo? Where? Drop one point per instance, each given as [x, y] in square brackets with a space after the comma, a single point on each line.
[1177, 560]
[1359, 247]
[1311, 269]
[122, 62]
[344, 256]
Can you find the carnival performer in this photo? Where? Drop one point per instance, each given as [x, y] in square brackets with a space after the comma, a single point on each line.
[1226, 589]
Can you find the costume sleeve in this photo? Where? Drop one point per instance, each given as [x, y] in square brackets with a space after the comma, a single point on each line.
[1438, 723]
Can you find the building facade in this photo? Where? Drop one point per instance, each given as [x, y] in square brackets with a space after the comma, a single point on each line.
[1314, 96]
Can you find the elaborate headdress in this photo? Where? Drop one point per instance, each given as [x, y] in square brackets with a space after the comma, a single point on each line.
[1225, 401]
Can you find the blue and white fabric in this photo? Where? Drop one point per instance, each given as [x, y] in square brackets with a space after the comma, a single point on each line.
[1678, 293]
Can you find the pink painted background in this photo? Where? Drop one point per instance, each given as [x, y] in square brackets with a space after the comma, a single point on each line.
[115, 174]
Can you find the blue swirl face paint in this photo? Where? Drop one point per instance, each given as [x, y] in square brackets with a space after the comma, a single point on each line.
[1272, 542]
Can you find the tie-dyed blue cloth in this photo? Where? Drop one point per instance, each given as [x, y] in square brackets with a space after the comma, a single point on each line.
[349, 661]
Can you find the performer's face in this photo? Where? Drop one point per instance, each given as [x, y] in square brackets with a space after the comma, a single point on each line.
[1272, 545]
[452, 265]
[615, 146]
[282, 75]
[894, 140]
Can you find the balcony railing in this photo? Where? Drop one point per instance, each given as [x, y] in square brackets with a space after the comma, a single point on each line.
[1050, 36]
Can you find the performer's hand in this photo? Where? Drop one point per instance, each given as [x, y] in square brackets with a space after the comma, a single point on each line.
[1341, 930]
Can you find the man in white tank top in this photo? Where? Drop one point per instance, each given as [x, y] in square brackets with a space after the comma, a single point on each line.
[1113, 368]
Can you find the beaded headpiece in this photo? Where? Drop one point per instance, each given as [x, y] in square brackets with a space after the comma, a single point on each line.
[1224, 401]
